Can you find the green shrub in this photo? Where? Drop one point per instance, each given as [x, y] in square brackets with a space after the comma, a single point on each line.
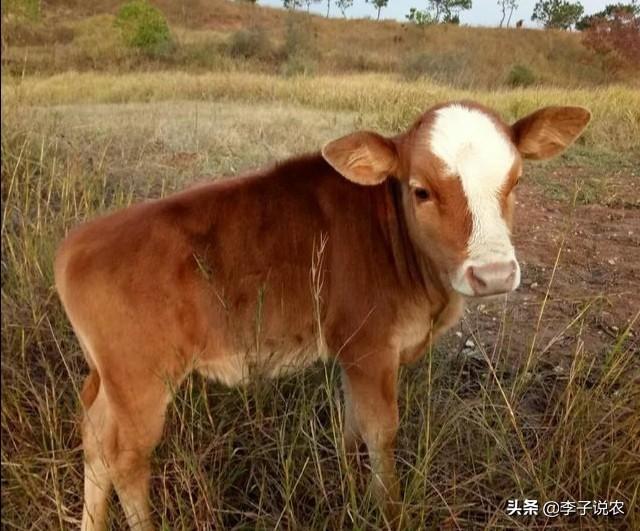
[250, 43]
[520, 76]
[143, 26]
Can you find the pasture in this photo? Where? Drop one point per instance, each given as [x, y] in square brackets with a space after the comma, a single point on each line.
[534, 396]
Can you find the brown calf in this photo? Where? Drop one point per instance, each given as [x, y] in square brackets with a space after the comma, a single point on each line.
[364, 252]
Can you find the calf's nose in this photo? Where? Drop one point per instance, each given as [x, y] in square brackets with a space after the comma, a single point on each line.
[492, 279]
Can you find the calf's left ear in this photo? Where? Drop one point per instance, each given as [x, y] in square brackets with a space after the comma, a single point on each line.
[363, 157]
[549, 131]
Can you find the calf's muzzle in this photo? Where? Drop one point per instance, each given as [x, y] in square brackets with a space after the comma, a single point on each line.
[493, 278]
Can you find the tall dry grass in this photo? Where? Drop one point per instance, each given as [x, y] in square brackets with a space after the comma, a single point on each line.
[475, 430]
[393, 103]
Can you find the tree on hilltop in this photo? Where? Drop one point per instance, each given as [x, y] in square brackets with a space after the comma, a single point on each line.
[439, 11]
[558, 14]
[292, 4]
[450, 9]
[343, 5]
[507, 6]
[308, 3]
[378, 4]
[420, 17]
[608, 13]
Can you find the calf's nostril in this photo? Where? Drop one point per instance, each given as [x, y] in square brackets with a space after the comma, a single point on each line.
[478, 279]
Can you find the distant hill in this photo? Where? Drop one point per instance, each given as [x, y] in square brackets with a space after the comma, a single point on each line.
[225, 35]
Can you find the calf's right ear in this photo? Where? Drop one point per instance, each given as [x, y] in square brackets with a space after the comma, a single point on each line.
[364, 157]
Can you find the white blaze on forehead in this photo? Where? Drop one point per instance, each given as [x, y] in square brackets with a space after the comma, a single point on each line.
[474, 149]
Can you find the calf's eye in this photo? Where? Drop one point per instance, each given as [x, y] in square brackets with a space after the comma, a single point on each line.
[422, 194]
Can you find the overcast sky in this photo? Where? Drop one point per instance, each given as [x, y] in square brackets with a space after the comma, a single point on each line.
[483, 13]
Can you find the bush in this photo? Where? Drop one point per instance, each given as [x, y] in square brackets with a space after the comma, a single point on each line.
[520, 76]
[616, 36]
[143, 26]
[250, 43]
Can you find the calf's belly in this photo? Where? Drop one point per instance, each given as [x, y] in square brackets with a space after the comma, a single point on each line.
[240, 366]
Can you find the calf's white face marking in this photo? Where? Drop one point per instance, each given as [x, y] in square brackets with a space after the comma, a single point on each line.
[474, 150]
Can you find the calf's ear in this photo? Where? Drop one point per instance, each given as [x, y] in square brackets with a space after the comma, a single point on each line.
[363, 157]
[549, 131]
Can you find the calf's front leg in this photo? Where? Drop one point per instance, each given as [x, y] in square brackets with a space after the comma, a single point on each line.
[372, 409]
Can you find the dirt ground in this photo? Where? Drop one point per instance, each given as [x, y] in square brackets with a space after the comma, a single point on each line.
[593, 293]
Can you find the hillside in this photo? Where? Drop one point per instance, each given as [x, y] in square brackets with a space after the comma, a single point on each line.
[219, 35]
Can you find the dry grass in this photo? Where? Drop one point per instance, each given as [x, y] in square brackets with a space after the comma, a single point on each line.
[475, 431]
[384, 102]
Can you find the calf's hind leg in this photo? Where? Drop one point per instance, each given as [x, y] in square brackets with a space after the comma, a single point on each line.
[97, 482]
[122, 427]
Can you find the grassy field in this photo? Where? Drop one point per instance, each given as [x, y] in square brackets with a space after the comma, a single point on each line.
[544, 406]
[536, 396]
[380, 101]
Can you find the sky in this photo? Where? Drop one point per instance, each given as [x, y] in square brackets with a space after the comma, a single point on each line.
[483, 13]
